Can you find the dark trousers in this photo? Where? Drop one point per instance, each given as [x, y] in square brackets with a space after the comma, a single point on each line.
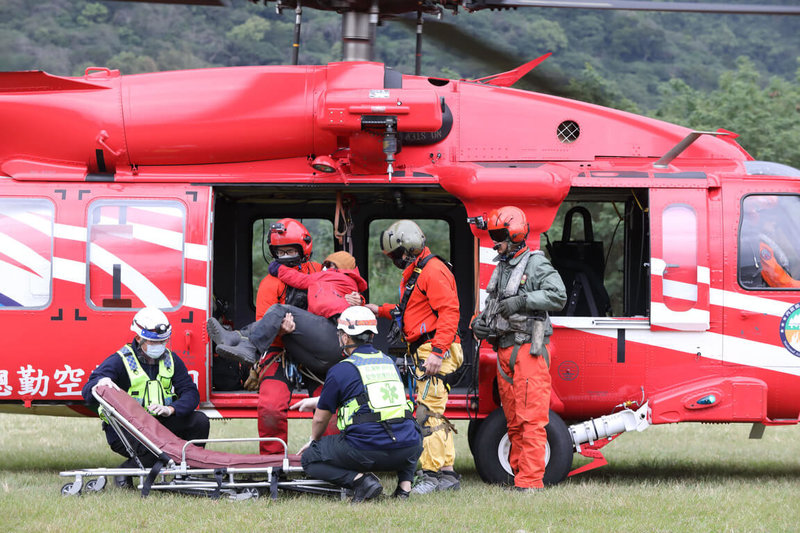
[192, 426]
[334, 459]
[313, 343]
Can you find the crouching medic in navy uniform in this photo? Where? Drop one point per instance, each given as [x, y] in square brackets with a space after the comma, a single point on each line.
[157, 378]
[378, 431]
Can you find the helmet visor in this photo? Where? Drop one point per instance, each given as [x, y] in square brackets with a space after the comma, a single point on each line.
[498, 235]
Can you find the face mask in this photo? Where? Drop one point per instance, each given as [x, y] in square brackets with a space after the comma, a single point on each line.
[289, 261]
[155, 350]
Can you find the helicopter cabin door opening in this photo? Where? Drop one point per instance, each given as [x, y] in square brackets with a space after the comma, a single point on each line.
[339, 218]
[600, 244]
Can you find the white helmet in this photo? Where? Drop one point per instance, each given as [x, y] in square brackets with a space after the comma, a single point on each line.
[151, 325]
[356, 320]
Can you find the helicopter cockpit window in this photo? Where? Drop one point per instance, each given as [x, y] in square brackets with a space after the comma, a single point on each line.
[135, 254]
[321, 231]
[769, 168]
[769, 237]
[26, 252]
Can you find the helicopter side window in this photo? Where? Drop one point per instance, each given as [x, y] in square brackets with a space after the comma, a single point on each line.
[679, 241]
[769, 257]
[136, 254]
[26, 259]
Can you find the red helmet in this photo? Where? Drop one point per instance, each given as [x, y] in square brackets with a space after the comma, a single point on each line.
[507, 223]
[289, 232]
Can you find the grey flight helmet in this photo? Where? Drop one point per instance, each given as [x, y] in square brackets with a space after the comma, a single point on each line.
[402, 237]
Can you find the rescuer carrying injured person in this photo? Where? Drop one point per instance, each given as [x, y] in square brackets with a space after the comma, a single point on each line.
[307, 338]
[290, 244]
[378, 430]
[523, 288]
[427, 318]
[312, 342]
[156, 378]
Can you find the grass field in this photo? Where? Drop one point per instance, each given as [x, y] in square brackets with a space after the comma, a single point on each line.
[669, 478]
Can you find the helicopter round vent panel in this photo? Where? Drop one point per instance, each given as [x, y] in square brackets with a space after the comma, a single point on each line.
[568, 131]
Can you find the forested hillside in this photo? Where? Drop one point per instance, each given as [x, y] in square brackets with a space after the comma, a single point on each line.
[705, 71]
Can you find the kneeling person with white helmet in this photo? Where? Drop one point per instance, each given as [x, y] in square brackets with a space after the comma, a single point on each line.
[157, 378]
[378, 431]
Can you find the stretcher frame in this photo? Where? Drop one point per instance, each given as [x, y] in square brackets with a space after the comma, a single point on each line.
[174, 472]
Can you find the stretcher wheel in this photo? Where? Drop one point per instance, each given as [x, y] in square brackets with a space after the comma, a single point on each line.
[69, 490]
[96, 485]
[250, 493]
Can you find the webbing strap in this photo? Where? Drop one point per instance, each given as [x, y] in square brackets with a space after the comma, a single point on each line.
[512, 361]
[162, 460]
[411, 283]
[218, 473]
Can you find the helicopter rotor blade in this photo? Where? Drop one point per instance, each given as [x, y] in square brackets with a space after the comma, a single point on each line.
[494, 59]
[626, 5]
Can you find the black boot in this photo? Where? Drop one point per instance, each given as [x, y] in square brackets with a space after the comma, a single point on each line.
[219, 335]
[244, 351]
[366, 488]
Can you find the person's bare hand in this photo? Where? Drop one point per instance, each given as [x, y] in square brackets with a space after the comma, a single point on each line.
[373, 308]
[432, 365]
[287, 324]
[306, 404]
[353, 298]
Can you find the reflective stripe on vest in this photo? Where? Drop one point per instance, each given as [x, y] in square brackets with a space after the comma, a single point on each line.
[144, 390]
[384, 396]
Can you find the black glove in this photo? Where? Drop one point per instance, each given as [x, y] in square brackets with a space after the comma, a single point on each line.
[480, 330]
[512, 305]
[273, 268]
[479, 327]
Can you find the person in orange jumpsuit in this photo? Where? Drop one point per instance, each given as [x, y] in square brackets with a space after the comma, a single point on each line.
[523, 287]
[429, 313]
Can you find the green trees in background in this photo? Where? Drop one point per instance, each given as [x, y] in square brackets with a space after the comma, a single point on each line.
[706, 72]
[612, 58]
[767, 117]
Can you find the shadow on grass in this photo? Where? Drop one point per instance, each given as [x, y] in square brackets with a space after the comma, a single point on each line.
[688, 472]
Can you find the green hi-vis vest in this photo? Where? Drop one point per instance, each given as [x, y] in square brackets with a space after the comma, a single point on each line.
[383, 395]
[144, 390]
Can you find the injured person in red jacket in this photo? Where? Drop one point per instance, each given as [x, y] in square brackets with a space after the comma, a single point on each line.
[312, 342]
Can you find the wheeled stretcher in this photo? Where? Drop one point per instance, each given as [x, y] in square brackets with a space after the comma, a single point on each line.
[182, 466]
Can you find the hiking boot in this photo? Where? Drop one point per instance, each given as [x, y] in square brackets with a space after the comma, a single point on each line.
[366, 488]
[401, 494]
[426, 483]
[450, 480]
[125, 482]
[243, 352]
[220, 335]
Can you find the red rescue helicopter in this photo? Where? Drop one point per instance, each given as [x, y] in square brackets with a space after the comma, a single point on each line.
[118, 192]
